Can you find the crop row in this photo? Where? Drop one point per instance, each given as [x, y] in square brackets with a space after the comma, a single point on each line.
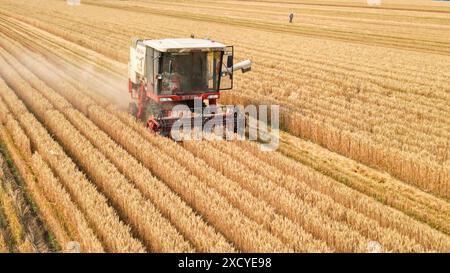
[104, 221]
[45, 210]
[12, 217]
[171, 205]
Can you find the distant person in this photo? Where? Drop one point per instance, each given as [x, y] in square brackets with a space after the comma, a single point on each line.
[291, 17]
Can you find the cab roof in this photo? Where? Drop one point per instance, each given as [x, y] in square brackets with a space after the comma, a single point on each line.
[183, 44]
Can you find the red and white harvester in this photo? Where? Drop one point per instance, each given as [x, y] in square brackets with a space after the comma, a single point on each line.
[169, 72]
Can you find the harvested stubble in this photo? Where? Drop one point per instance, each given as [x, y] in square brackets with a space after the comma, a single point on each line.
[113, 233]
[51, 73]
[30, 236]
[3, 246]
[380, 186]
[68, 213]
[12, 218]
[44, 207]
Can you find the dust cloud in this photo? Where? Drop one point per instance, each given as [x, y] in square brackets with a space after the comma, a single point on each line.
[87, 74]
[112, 87]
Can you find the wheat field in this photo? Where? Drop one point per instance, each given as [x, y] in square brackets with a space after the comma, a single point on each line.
[364, 154]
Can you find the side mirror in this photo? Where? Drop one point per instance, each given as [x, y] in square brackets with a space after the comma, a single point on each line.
[170, 67]
[230, 61]
[230, 65]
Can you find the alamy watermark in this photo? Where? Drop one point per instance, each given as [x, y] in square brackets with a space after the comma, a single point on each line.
[252, 122]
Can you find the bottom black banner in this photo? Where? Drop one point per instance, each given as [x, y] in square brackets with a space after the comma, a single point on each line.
[225, 262]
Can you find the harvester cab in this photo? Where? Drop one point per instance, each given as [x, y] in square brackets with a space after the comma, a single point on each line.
[169, 72]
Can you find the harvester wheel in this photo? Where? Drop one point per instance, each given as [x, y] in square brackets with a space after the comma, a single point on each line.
[152, 124]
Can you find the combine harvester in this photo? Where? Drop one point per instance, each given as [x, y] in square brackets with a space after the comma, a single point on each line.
[189, 72]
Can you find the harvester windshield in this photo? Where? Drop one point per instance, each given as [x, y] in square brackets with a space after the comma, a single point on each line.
[190, 72]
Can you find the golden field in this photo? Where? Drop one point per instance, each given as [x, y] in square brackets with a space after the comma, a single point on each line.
[364, 156]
